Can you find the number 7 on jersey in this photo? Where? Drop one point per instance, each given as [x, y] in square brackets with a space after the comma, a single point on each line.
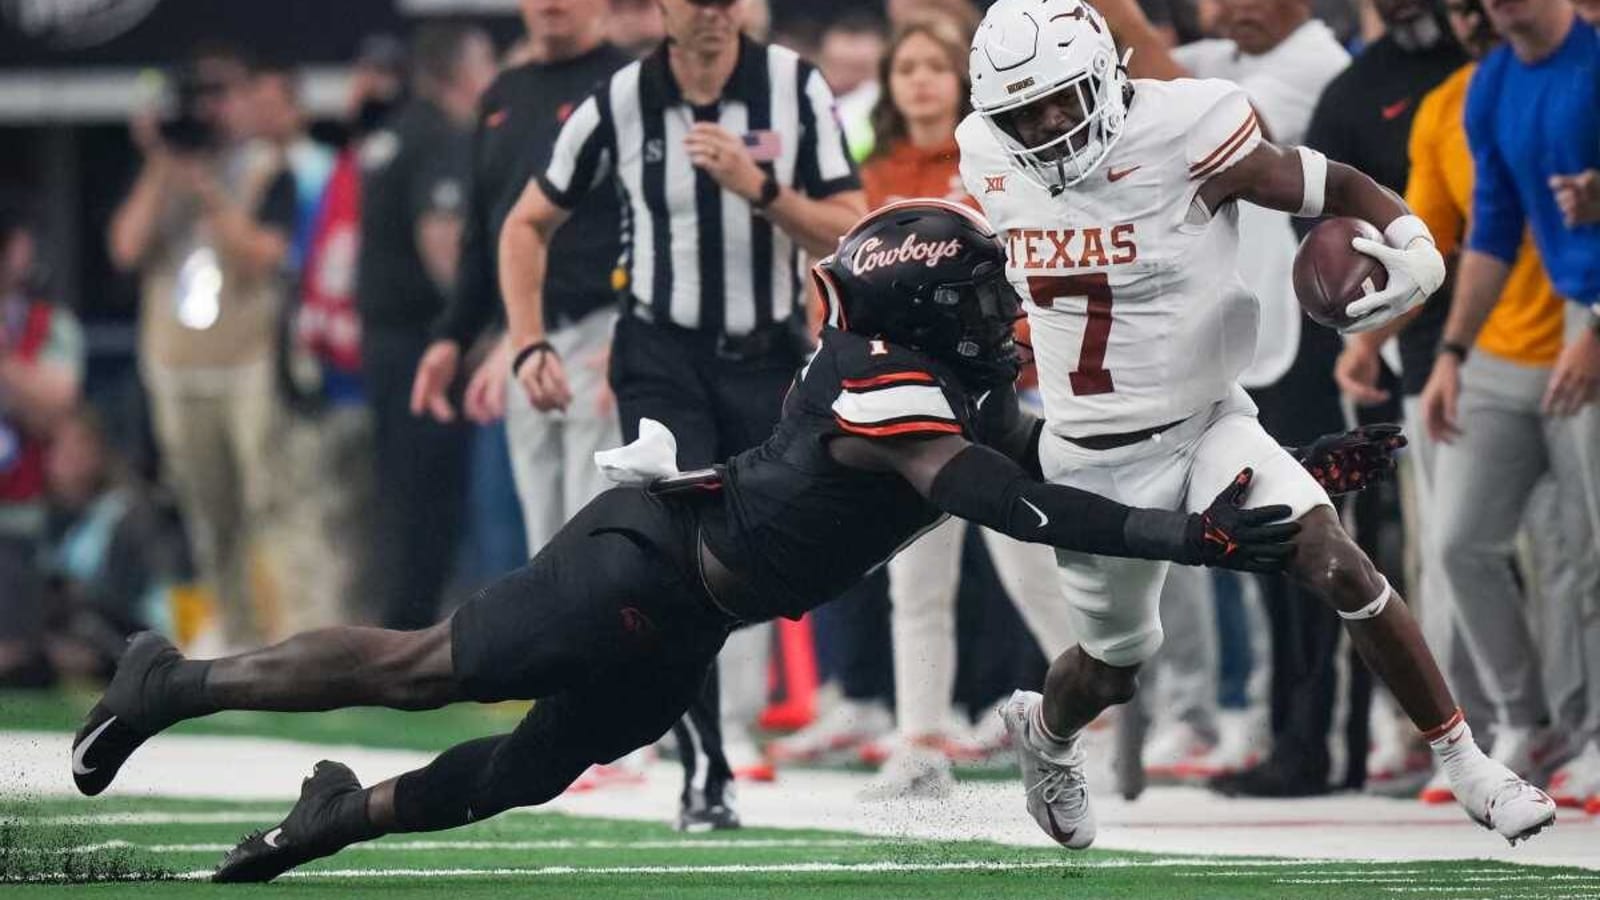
[1091, 376]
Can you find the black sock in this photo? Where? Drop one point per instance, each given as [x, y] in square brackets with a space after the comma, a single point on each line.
[185, 690]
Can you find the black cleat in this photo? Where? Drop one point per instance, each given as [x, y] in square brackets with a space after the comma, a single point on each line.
[321, 824]
[695, 818]
[128, 714]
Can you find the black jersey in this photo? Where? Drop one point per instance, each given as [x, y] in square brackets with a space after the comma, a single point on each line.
[800, 528]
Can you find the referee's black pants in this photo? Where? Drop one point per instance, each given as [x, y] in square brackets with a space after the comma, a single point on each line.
[718, 400]
[421, 484]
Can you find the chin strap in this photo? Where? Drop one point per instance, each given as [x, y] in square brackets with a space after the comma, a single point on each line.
[1371, 610]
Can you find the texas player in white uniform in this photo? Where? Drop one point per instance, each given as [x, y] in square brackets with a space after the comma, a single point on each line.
[1118, 199]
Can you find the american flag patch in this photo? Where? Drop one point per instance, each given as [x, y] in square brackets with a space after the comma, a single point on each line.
[764, 146]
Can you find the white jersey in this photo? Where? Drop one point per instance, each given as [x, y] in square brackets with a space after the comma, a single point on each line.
[1137, 312]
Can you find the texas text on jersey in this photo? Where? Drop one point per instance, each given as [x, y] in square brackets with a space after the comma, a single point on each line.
[1139, 318]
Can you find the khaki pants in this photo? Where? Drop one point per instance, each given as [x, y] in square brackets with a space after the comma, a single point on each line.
[216, 429]
[322, 543]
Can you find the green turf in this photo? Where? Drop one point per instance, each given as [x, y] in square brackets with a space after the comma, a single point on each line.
[369, 727]
[36, 840]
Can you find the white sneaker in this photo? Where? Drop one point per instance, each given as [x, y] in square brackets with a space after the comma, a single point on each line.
[845, 725]
[1173, 748]
[1579, 779]
[1243, 740]
[1500, 800]
[912, 770]
[1529, 752]
[1052, 773]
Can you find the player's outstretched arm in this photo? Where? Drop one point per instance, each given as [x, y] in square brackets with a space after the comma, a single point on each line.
[982, 485]
[1303, 182]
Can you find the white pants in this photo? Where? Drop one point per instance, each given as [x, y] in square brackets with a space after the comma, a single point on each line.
[552, 454]
[1115, 603]
[922, 590]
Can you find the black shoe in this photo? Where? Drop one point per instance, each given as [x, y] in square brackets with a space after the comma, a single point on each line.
[698, 817]
[129, 713]
[325, 820]
[1272, 778]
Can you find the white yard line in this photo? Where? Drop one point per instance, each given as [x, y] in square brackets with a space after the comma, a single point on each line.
[1167, 821]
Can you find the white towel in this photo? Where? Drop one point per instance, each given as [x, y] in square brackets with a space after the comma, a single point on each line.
[654, 455]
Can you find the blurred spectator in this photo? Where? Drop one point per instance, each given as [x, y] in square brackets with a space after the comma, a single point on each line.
[903, 13]
[207, 227]
[849, 54]
[280, 120]
[41, 367]
[327, 527]
[414, 182]
[1532, 123]
[522, 113]
[112, 552]
[635, 26]
[1364, 120]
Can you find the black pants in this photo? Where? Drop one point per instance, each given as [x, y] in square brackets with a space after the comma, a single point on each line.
[609, 628]
[421, 485]
[717, 404]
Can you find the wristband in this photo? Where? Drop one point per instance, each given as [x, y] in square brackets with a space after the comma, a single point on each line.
[1402, 231]
[1314, 181]
[1459, 351]
[769, 192]
[527, 353]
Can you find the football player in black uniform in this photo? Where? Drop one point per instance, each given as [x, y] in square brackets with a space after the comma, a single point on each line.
[905, 414]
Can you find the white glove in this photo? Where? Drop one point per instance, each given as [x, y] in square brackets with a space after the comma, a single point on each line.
[1415, 271]
[654, 455]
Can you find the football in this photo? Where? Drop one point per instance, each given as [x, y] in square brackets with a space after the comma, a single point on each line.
[1329, 274]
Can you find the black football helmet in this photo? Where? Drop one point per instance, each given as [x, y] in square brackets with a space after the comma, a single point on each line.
[929, 275]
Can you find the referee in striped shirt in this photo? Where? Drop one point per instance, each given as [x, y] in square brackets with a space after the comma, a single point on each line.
[732, 164]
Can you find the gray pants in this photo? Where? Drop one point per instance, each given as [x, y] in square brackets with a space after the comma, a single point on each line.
[1485, 480]
[1439, 614]
[552, 454]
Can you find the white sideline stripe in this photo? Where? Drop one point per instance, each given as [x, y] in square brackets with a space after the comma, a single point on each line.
[1383, 878]
[714, 844]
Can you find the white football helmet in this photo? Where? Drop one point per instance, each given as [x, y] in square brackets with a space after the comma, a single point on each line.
[1028, 50]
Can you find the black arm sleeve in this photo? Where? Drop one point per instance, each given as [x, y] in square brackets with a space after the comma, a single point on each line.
[981, 485]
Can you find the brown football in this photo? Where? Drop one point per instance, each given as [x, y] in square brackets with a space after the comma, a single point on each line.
[1329, 275]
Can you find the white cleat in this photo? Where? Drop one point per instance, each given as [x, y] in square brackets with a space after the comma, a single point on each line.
[1500, 800]
[1058, 795]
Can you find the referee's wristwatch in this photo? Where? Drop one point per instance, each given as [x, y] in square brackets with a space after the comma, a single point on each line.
[770, 189]
[1452, 348]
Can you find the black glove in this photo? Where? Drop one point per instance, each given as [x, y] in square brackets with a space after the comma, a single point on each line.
[1229, 536]
[1347, 462]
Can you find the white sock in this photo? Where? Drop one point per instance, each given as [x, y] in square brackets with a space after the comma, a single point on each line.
[1453, 746]
[1048, 737]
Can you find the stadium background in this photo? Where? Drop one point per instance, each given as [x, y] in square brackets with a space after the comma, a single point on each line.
[70, 72]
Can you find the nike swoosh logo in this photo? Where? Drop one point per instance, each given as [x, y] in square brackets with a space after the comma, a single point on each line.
[1114, 175]
[1055, 827]
[271, 838]
[81, 752]
[1043, 519]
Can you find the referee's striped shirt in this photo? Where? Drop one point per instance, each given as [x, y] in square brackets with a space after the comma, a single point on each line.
[699, 256]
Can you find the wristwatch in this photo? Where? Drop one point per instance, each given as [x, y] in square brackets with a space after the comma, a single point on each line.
[769, 192]
[1459, 351]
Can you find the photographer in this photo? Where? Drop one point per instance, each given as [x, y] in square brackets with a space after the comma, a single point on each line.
[207, 228]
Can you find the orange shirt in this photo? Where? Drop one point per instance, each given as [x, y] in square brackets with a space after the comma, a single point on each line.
[1527, 323]
[906, 172]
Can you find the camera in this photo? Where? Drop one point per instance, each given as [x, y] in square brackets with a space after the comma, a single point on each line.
[187, 127]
